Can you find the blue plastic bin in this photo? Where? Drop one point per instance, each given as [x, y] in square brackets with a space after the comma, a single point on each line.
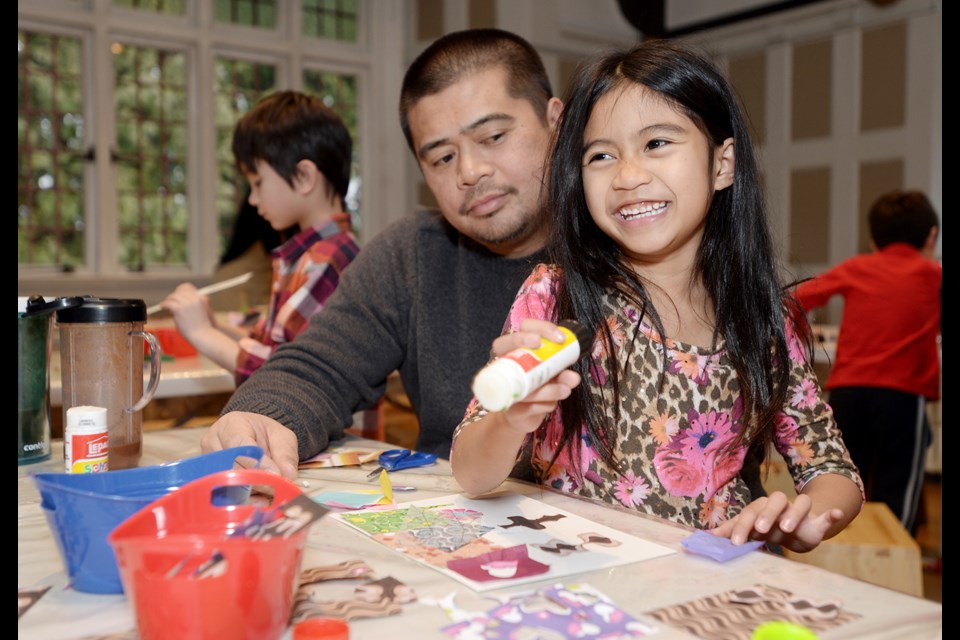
[82, 509]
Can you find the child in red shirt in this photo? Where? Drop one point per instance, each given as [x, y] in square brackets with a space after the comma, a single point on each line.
[887, 363]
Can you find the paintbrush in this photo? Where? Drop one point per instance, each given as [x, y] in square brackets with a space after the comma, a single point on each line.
[216, 287]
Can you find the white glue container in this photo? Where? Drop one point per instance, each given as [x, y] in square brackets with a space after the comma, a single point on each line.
[86, 440]
[515, 375]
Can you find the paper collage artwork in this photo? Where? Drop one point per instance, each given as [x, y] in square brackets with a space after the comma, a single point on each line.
[501, 541]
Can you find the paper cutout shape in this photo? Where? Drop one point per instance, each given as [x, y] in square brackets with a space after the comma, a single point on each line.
[340, 457]
[360, 498]
[386, 589]
[733, 615]
[346, 570]
[349, 499]
[499, 565]
[26, 598]
[717, 547]
[305, 608]
[297, 513]
[500, 568]
[407, 543]
[372, 599]
[438, 527]
[563, 548]
[520, 521]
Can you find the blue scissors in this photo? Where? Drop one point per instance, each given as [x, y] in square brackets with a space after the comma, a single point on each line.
[396, 459]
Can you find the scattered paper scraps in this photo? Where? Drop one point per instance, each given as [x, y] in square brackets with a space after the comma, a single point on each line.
[552, 613]
[323, 593]
[733, 615]
[451, 529]
[360, 498]
[285, 520]
[340, 457]
[26, 598]
[346, 570]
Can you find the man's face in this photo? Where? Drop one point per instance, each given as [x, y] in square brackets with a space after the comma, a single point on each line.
[482, 153]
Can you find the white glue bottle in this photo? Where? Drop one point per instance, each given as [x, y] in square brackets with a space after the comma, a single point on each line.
[86, 444]
[514, 376]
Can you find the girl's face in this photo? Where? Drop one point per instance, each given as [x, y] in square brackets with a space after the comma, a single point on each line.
[649, 175]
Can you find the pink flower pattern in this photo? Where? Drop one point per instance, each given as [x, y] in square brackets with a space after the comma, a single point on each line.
[695, 366]
[804, 395]
[700, 460]
[632, 490]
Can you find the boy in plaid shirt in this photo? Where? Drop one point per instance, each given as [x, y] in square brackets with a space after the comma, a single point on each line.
[296, 153]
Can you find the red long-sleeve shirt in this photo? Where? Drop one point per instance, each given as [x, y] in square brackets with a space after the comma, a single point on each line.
[891, 319]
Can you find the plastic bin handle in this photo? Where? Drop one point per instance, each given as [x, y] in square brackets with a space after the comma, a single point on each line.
[205, 489]
[246, 451]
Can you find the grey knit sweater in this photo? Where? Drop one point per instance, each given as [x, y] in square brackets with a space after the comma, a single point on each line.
[421, 298]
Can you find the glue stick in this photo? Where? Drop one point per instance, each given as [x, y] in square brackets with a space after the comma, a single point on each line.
[86, 440]
[517, 374]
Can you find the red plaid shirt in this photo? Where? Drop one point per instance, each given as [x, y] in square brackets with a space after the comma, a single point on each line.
[306, 270]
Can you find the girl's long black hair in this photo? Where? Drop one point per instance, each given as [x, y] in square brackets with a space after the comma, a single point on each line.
[735, 260]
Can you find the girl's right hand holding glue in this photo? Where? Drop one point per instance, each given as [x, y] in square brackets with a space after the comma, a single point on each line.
[485, 451]
[524, 414]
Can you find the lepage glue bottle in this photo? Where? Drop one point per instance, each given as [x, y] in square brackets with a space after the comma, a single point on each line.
[86, 440]
[515, 375]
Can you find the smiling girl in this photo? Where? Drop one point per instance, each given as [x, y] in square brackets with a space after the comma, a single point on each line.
[660, 243]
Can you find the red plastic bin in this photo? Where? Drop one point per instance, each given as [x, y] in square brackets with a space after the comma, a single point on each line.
[172, 343]
[159, 547]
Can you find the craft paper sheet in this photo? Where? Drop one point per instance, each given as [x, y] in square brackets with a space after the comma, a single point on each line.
[558, 612]
[500, 542]
[733, 615]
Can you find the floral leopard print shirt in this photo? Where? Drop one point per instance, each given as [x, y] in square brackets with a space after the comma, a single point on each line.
[672, 442]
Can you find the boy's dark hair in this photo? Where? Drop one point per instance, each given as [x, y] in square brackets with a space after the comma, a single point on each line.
[462, 53]
[287, 127]
[735, 259]
[902, 216]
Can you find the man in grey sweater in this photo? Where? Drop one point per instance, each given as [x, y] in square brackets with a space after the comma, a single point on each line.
[428, 295]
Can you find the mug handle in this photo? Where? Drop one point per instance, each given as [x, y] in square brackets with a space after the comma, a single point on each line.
[154, 370]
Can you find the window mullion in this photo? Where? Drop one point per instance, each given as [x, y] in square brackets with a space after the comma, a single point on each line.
[205, 241]
[102, 213]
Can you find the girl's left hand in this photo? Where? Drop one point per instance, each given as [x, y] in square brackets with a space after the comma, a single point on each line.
[776, 520]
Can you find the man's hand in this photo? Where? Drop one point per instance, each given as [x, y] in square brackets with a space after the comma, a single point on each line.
[239, 428]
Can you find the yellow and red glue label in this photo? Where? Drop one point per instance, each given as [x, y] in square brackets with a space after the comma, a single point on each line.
[86, 440]
[530, 358]
[516, 374]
